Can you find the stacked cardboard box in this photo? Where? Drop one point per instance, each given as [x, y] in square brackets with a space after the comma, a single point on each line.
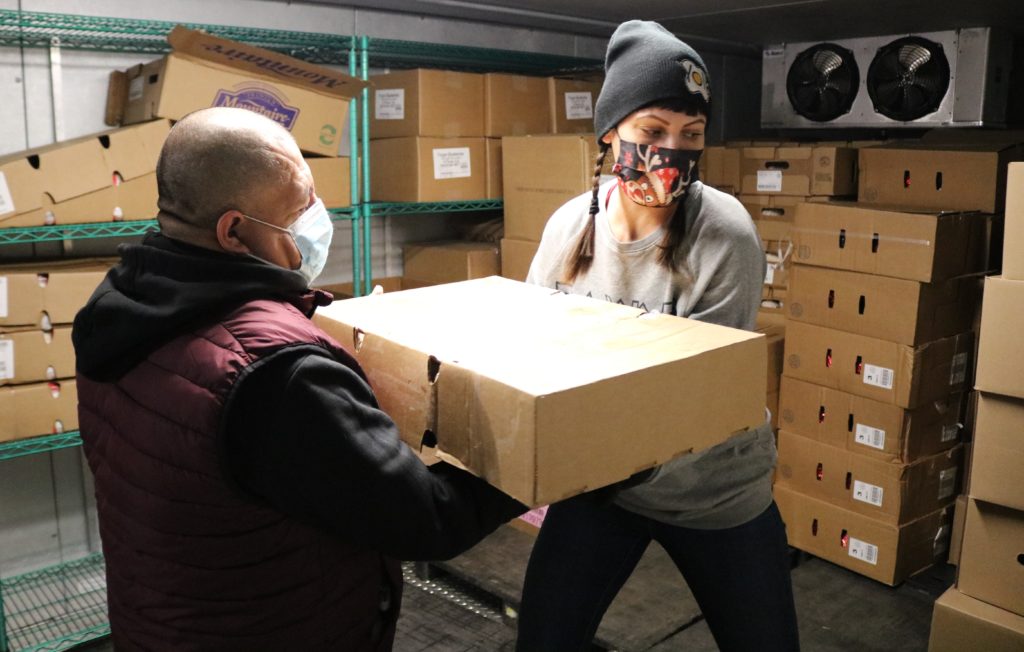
[985, 610]
[878, 353]
[434, 263]
[38, 302]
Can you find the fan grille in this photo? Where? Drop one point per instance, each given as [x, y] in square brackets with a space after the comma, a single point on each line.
[822, 82]
[908, 78]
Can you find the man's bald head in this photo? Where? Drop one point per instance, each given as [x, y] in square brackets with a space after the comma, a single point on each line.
[219, 159]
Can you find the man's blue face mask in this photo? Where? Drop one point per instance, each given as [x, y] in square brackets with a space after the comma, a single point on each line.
[312, 234]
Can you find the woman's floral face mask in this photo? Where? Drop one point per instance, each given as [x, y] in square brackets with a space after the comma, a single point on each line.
[655, 176]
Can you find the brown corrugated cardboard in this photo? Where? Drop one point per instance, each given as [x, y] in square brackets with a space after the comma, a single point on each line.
[516, 257]
[956, 539]
[962, 177]
[892, 492]
[311, 101]
[572, 105]
[515, 105]
[1000, 354]
[134, 199]
[720, 168]
[998, 463]
[990, 555]
[332, 179]
[1013, 231]
[926, 247]
[423, 102]
[799, 171]
[543, 415]
[41, 294]
[778, 258]
[345, 291]
[884, 371]
[775, 339]
[773, 215]
[493, 187]
[30, 355]
[772, 403]
[38, 409]
[897, 310]
[428, 169]
[960, 623]
[433, 263]
[876, 549]
[870, 428]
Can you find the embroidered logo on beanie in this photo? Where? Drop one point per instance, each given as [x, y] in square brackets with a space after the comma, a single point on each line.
[696, 80]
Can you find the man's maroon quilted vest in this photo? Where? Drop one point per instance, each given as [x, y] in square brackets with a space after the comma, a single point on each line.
[192, 562]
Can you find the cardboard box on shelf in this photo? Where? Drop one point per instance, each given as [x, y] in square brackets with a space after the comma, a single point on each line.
[32, 355]
[572, 105]
[775, 340]
[990, 567]
[998, 462]
[778, 259]
[134, 199]
[907, 376]
[720, 168]
[542, 416]
[433, 263]
[425, 102]
[516, 257]
[772, 403]
[493, 187]
[332, 179]
[960, 177]
[897, 310]
[956, 539]
[799, 171]
[310, 101]
[879, 430]
[1013, 230]
[773, 215]
[892, 492]
[516, 105]
[38, 409]
[918, 246]
[428, 169]
[960, 623]
[1000, 356]
[45, 294]
[877, 549]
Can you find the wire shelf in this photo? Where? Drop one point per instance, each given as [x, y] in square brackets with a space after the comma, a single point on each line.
[57, 607]
[30, 234]
[411, 54]
[411, 208]
[45, 444]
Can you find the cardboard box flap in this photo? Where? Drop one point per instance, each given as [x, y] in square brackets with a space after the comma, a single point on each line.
[263, 63]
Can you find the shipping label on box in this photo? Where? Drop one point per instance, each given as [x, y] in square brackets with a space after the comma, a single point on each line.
[990, 555]
[879, 430]
[998, 456]
[542, 413]
[1000, 355]
[47, 294]
[874, 548]
[516, 258]
[31, 355]
[897, 310]
[572, 105]
[433, 263]
[1013, 237]
[428, 169]
[959, 623]
[799, 171]
[423, 102]
[516, 105]
[38, 409]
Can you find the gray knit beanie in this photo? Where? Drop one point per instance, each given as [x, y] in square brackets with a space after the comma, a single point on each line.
[646, 63]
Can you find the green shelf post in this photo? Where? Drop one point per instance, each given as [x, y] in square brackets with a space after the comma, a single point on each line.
[353, 168]
[364, 74]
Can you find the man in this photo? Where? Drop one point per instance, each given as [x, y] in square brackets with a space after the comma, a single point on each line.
[251, 493]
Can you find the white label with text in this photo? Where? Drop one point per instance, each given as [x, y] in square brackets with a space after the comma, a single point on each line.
[579, 106]
[451, 163]
[389, 104]
[769, 180]
[868, 436]
[867, 493]
[6, 359]
[878, 376]
[864, 551]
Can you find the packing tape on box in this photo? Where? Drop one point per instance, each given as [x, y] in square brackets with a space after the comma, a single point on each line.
[865, 236]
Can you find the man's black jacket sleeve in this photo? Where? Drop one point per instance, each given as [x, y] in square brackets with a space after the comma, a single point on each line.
[303, 432]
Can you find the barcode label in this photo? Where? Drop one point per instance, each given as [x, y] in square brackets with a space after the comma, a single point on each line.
[864, 551]
[878, 376]
[6, 359]
[6, 201]
[3, 296]
[769, 180]
[947, 483]
[579, 106]
[868, 436]
[950, 432]
[867, 493]
[769, 274]
[389, 104]
[958, 370]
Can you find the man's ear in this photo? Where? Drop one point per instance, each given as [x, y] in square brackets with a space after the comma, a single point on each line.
[228, 226]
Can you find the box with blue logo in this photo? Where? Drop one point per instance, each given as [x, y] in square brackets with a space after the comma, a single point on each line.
[311, 101]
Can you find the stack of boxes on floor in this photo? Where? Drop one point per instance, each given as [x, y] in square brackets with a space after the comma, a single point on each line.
[985, 610]
[879, 352]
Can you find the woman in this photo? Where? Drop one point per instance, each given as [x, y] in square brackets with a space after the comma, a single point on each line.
[656, 238]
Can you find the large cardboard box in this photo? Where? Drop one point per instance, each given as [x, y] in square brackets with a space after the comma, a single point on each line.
[1013, 231]
[961, 177]
[956, 539]
[877, 549]
[961, 623]
[775, 340]
[870, 428]
[515, 105]
[516, 258]
[134, 199]
[532, 191]
[572, 105]
[32, 355]
[38, 409]
[493, 187]
[998, 464]
[990, 555]
[428, 169]
[720, 168]
[310, 101]
[433, 263]
[897, 310]
[332, 179]
[892, 492]
[1000, 354]
[425, 102]
[536, 391]
[44, 294]
[926, 247]
[907, 376]
[773, 215]
[799, 171]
